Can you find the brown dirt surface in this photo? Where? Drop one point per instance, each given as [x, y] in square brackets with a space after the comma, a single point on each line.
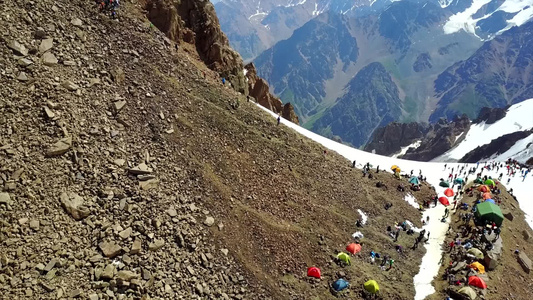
[508, 280]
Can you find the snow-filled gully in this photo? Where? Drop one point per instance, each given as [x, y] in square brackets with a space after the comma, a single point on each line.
[433, 171]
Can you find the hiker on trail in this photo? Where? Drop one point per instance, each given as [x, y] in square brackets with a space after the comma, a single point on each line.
[445, 166]
[391, 261]
[353, 164]
[377, 170]
[446, 212]
[396, 235]
[279, 119]
[224, 81]
[509, 180]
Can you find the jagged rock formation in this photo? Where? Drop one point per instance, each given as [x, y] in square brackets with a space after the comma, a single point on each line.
[495, 147]
[260, 91]
[491, 115]
[196, 22]
[422, 62]
[391, 138]
[439, 139]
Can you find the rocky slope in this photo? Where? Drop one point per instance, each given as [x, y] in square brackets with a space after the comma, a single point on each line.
[371, 101]
[127, 173]
[497, 75]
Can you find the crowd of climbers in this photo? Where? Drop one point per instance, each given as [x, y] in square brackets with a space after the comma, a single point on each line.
[466, 245]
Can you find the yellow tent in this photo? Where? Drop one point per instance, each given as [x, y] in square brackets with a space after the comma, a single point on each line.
[395, 169]
[479, 267]
[468, 292]
[371, 286]
[344, 257]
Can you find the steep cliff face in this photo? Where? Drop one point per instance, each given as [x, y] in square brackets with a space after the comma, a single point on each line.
[196, 22]
[391, 138]
[491, 115]
[497, 146]
[440, 138]
[260, 90]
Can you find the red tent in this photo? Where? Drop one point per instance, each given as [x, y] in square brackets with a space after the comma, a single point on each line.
[449, 192]
[444, 201]
[353, 248]
[477, 282]
[313, 272]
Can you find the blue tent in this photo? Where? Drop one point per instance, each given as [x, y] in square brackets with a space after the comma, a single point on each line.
[414, 180]
[340, 285]
[459, 181]
[491, 201]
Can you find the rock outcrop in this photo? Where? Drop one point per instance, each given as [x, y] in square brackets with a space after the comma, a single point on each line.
[491, 115]
[441, 138]
[391, 138]
[260, 90]
[196, 23]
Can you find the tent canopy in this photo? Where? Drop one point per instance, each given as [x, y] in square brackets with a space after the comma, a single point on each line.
[491, 201]
[353, 248]
[476, 252]
[468, 292]
[491, 212]
[449, 192]
[414, 180]
[444, 201]
[483, 188]
[344, 257]
[459, 180]
[395, 169]
[340, 284]
[371, 286]
[477, 282]
[313, 272]
[444, 184]
[478, 180]
[489, 182]
[479, 267]
[487, 195]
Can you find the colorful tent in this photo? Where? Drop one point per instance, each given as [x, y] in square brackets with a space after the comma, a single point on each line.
[395, 169]
[489, 182]
[449, 192]
[459, 181]
[468, 292]
[344, 257]
[483, 188]
[313, 272]
[478, 181]
[353, 248]
[340, 284]
[477, 266]
[477, 282]
[491, 201]
[444, 184]
[414, 180]
[487, 195]
[476, 252]
[490, 212]
[444, 201]
[371, 286]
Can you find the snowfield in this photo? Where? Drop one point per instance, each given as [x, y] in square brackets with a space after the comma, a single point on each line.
[434, 171]
[519, 117]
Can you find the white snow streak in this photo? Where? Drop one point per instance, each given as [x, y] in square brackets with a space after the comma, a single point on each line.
[364, 217]
[411, 200]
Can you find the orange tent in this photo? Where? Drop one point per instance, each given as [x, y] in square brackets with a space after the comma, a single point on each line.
[487, 195]
[444, 201]
[449, 192]
[483, 188]
[477, 282]
[313, 272]
[353, 248]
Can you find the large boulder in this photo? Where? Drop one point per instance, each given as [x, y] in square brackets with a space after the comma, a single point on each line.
[74, 205]
[524, 261]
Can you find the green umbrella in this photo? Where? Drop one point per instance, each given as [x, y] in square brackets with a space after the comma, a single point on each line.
[444, 184]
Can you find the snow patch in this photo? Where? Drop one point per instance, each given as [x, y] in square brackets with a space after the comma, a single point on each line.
[403, 150]
[464, 20]
[411, 200]
[364, 217]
